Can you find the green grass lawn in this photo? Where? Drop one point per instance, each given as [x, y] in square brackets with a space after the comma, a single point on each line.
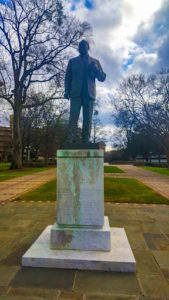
[163, 171]
[6, 173]
[112, 169]
[130, 190]
[115, 190]
[46, 192]
[4, 166]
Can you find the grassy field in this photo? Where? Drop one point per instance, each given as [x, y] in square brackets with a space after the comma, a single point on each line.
[4, 166]
[163, 171]
[112, 169]
[131, 191]
[124, 190]
[6, 173]
[46, 192]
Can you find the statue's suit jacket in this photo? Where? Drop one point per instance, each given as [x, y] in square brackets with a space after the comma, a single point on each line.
[74, 77]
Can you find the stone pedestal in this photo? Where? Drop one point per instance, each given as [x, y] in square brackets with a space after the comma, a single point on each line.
[80, 221]
[80, 190]
[81, 238]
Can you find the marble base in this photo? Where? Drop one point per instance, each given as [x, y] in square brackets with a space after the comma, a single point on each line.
[120, 258]
[81, 238]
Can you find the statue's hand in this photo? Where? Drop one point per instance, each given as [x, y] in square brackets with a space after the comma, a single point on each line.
[66, 95]
[93, 68]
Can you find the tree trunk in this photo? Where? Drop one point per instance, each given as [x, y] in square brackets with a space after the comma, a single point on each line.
[168, 159]
[167, 149]
[46, 145]
[17, 140]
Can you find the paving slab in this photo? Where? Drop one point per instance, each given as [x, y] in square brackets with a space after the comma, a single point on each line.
[44, 278]
[162, 258]
[120, 283]
[111, 297]
[71, 295]
[33, 292]
[7, 274]
[151, 280]
[154, 285]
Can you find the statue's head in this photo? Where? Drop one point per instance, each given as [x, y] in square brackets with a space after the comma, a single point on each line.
[83, 47]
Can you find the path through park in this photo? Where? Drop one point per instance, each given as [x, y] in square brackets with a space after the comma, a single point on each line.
[158, 182]
[13, 188]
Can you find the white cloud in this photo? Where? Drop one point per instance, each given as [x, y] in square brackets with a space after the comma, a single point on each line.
[116, 24]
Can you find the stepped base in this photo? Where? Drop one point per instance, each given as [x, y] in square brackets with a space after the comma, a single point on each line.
[120, 258]
[85, 238]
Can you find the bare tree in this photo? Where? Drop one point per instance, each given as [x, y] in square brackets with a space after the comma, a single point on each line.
[40, 128]
[98, 132]
[34, 36]
[144, 102]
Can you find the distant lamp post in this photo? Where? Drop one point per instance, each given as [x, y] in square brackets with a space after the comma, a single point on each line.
[150, 153]
[27, 152]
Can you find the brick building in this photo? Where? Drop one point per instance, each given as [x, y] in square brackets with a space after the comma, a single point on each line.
[6, 142]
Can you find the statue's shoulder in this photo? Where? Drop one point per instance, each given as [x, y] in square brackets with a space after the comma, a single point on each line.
[74, 59]
[93, 59]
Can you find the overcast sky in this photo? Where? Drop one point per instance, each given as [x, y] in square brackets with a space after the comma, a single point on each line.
[128, 36]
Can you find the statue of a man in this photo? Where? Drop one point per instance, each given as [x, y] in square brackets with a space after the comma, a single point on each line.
[80, 88]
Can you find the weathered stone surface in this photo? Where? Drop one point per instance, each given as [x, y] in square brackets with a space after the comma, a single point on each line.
[81, 238]
[80, 191]
[107, 284]
[154, 286]
[120, 258]
[6, 274]
[84, 146]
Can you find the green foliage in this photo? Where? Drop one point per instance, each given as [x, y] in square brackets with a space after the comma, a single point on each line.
[163, 171]
[112, 169]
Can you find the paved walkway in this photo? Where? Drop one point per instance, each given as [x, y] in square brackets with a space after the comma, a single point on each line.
[147, 228]
[158, 182]
[13, 188]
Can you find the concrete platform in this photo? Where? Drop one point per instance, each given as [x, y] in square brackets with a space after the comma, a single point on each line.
[120, 258]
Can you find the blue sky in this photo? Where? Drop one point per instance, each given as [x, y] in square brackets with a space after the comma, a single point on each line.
[89, 4]
[8, 2]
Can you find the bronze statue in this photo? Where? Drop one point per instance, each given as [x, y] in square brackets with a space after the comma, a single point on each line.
[80, 88]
